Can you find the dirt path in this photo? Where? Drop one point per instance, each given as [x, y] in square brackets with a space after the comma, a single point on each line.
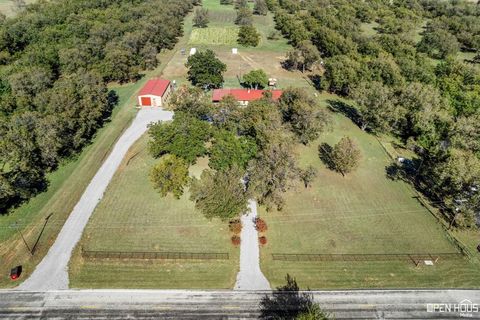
[250, 277]
[52, 273]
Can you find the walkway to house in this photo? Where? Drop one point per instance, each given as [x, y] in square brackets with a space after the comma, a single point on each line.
[250, 276]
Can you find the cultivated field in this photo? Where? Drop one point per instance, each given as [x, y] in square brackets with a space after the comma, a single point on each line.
[362, 213]
[214, 36]
[133, 217]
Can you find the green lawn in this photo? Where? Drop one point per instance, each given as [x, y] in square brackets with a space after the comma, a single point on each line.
[362, 213]
[134, 217]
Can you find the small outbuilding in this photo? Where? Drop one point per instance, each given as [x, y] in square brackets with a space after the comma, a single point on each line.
[155, 93]
[244, 96]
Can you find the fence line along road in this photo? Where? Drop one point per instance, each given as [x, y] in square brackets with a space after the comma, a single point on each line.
[367, 257]
[145, 255]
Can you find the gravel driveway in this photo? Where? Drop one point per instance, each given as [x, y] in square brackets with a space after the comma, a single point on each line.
[52, 273]
[250, 276]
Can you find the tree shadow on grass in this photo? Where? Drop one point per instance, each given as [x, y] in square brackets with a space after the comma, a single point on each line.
[345, 109]
[286, 302]
[325, 152]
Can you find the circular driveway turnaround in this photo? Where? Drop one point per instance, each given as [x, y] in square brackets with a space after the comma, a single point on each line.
[52, 272]
[250, 277]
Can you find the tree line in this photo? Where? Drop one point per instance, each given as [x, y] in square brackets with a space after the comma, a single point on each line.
[418, 90]
[56, 59]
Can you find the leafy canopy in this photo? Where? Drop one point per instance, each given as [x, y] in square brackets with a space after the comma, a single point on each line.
[205, 70]
[219, 194]
[170, 175]
[184, 137]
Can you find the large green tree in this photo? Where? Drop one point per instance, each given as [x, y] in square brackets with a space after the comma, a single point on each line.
[248, 36]
[205, 70]
[273, 172]
[219, 194]
[170, 175]
[302, 114]
[377, 108]
[184, 137]
[255, 79]
[191, 100]
[345, 156]
[229, 150]
[304, 56]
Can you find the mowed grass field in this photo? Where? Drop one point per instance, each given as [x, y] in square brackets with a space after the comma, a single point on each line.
[134, 217]
[362, 213]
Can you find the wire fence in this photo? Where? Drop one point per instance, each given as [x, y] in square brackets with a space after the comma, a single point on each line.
[145, 255]
[413, 257]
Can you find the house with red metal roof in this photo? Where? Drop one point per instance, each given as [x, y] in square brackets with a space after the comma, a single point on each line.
[244, 96]
[155, 93]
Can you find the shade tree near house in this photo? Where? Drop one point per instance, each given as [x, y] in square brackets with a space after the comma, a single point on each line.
[273, 172]
[205, 70]
[229, 150]
[170, 175]
[184, 137]
[300, 114]
[255, 79]
[193, 101]
[219, 194]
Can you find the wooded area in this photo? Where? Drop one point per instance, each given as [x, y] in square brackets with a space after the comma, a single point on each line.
[416, 89]
[56, 59]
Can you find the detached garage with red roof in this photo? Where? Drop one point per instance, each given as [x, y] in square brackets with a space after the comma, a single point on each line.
[244, 96]
[155, 93]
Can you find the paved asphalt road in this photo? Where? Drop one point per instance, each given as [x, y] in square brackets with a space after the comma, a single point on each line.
[52, 273]
[191, 304]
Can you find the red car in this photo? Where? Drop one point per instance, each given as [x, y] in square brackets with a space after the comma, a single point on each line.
[15, 273]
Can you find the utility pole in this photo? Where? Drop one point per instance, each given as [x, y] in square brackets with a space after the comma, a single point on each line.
[23, 238]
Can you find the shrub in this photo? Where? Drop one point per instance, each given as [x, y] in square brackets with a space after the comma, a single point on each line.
[260, 225]
[236, 240]
[262, 240]
[235, 226]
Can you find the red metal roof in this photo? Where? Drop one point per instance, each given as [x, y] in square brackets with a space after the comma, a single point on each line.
[244, 94]
[155, 87]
